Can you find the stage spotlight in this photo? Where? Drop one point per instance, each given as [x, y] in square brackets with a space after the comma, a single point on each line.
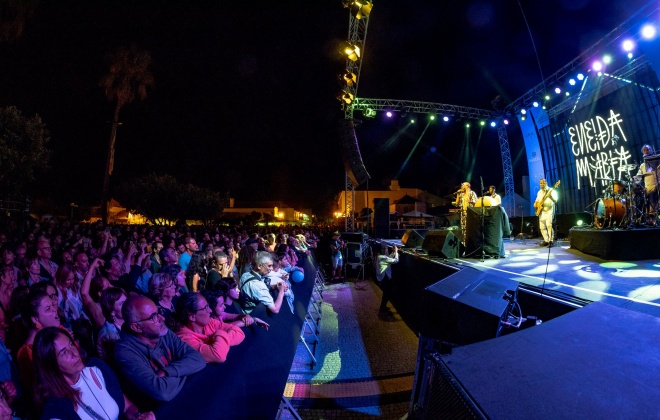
[467, 125]
[412, 121]
[492, 124]
[445, 118]
[628, 45]
[369, 113]
[630, 55]
[389, 114]
[571, 82]
[580, 76]
[648, 31]
[350, 51]
[432, 117]
[482, 123]
[557, 90]
[543, 107]
[567, 93]
[600, 73]
[346, 97]
[535, 104]
[547, 97]
[607, 59]
[358, 8]
[523, 111]
[523, 118]
[506, 122]
[348, 79]
[597, 66]
[580, 222]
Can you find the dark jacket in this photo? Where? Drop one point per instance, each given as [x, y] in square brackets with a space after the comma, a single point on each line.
[139, 364]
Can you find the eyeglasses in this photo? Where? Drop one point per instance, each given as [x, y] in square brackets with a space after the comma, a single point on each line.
[154, 318]
[204, 308]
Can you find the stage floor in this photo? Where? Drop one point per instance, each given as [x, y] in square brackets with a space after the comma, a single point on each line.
[633, 285]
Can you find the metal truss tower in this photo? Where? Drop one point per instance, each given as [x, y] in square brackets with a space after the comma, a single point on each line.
[349, 200]
[455, 111]
[357, 34]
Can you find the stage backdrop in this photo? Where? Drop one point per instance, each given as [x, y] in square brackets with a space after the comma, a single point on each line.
[593, 141]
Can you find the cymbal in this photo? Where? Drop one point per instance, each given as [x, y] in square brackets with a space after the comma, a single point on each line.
[640, 176]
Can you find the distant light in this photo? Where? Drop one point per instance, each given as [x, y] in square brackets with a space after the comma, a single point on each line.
[600, 73]
[580, 76]
[432, 117]
[557, 90]
[580, 222]
[648, 31]
[568, 93]
[492, 124]
[523, 118]
[630, 55]
[547, 98]
[433, 149]
[389, 114]
[467, 125]
[506, 122]
[607, 59]
[543, 107]
[523, 111]
[445, 118]
[482, 123]
[412, 121]
[571, 82]
[535, 104]
[628, 45]
[597, 66]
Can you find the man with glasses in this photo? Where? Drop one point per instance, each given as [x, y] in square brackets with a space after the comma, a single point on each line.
[153, 360]
[48, 267]
[254, 286]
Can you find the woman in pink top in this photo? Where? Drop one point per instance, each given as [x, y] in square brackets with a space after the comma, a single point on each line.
[209, 336]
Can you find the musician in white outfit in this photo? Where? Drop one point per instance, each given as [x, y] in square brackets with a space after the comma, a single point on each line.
[546, 199]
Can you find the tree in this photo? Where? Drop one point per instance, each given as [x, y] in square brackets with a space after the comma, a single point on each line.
[128, 77]
[162, 199]
[23, 150]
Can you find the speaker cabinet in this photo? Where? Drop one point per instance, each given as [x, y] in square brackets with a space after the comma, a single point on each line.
[441, 243]
[357, 237]
[382, 218]
[412, 239]
[467, 306]
[354, 253]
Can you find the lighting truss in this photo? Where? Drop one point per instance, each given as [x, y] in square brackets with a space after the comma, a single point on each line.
[456, 111]
[357, 34]
[579, 63]
[349, 199]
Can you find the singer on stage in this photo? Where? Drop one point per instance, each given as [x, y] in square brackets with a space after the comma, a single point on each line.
[465, 198]
[546, 199]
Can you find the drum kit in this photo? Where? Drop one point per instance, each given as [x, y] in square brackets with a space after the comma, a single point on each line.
[627, 202]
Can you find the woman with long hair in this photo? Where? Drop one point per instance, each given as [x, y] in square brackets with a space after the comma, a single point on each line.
[112, 300]
[70, 387]
[209, 336]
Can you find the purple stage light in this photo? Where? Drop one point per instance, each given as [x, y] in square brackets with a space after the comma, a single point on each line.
[389, 114]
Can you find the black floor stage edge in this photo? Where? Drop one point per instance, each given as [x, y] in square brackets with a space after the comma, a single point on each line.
[630, 244]
[599, 361]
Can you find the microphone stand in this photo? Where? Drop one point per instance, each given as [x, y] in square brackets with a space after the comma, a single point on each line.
[483, 212]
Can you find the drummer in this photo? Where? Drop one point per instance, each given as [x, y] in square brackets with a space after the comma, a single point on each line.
[494, 195]
[648, 171]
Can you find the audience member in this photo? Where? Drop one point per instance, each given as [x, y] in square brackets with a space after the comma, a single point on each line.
[209, 336]
[68, 386]
[150, 356]
[255, 290]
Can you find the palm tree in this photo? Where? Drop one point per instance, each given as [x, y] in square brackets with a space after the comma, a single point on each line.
[128, 76]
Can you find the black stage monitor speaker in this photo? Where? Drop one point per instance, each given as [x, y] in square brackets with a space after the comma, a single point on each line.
[353, 253]
[412, 239]
[357, 237]
[466, 307]
[441, 243]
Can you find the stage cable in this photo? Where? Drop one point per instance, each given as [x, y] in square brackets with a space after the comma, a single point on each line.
[531, 37]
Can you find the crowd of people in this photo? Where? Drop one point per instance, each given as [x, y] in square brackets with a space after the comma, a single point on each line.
[93, 314]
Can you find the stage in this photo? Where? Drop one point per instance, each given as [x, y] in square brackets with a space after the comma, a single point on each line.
[620, 244]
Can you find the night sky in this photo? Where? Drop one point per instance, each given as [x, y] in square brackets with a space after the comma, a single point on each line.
[244, 96]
